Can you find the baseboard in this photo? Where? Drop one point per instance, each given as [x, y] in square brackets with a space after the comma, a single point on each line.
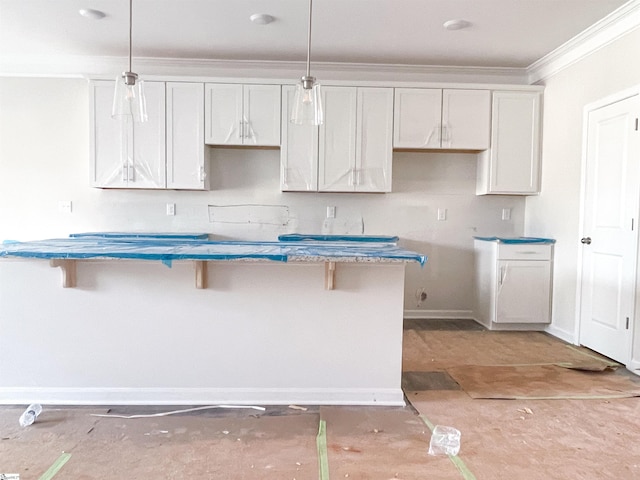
[202, 396]
[440, 314]
[568, 337]
[634, 366]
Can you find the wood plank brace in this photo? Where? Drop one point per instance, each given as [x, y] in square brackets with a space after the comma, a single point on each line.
[201, 273]
[68, 268]
[329, 275]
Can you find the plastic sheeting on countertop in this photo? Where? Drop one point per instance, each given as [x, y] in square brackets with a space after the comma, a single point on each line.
[151, 236]
[299, 237]
[516, 239]
[167, 250]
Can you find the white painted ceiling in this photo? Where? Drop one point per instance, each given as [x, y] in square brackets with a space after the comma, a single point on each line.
[503, 33]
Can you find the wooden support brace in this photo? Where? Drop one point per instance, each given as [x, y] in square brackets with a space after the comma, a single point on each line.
[329, 275]
[201, 273]
[68, 268]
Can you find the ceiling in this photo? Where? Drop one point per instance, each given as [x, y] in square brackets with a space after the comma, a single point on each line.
[502, 33]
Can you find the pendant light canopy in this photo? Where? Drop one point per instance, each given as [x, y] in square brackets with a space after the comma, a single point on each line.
[129, 100]
[307, 103]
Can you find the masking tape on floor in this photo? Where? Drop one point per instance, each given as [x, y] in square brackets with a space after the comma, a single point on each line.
[456, 460]
[321, 443]
[55, 468]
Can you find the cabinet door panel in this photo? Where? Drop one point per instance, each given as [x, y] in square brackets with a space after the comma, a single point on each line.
[337, 140]
[149, 153]
[223, 110]
[299, 151]
[261, 115]
[514, 157]
[523, 291]
[417, 118]
[111, 139]
[374, 137]
[186, 168]
[466, 119]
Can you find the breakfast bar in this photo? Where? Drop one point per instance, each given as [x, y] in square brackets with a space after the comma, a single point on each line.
[157, 319]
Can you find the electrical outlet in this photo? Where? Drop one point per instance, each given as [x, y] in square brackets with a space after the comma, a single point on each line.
[331, 212]
[171, 208]
[65, 206]
[442, 214]
[506, 214]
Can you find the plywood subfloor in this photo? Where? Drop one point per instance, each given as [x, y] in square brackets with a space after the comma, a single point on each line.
[524, 439]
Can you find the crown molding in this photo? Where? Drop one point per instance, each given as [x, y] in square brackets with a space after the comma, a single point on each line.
[612, 27]
[108, 67]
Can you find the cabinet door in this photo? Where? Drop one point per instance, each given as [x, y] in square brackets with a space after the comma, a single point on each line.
[126, 154]
[186, 167]
[466, 119]
[337, 144]
[223, 114]
[374, 139]
[512, 164]
[417, 118]
[523, 291]
[111, 140]
[261, 115]
[299, 151]
[149, 150]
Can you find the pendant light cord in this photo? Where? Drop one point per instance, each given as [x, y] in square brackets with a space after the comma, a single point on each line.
[130, 30]
[309, 40]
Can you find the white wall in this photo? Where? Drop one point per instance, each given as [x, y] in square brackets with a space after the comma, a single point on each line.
[555, 213]
[44, 159]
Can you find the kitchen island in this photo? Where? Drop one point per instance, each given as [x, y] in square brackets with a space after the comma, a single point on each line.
[189, 321]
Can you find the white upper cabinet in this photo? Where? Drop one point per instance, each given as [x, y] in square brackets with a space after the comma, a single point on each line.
[167, 151]
[355, 144]
[237, 114]
[187, 167]
[512, 165]
[452, 119]
[126, 154]
[298, 152]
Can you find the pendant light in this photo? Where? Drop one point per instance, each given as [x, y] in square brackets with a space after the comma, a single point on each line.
[129, 100]
[307, 103]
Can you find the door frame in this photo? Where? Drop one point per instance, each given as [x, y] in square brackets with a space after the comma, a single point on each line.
[634, 328]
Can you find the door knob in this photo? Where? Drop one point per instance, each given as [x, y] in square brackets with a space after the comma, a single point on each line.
[586, 240]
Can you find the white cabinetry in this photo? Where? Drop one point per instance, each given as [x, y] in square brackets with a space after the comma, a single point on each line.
[512, 164]
[356, 140]
[452, 119]
[298, 152]
[513, 285]
[167, 151]
[187, 167]
[239, 114]
[350, 152]
[126, 154]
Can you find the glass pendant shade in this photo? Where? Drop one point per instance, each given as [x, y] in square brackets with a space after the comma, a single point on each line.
[307, 105]
[129, 100]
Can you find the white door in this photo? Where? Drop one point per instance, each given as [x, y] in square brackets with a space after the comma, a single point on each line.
[374, 139]
[417, 118]
[466, 119]
[523, 291]
[223, 114]
[186, 164]
[610, 229]
[299, 151]
[261, 115]
[337, 149]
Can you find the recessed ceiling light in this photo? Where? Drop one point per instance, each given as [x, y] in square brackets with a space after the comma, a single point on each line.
[92, 14]
[261, 18]
[456, 24]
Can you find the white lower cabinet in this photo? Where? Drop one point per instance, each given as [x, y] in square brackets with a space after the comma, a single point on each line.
[350, 152]
[167, 151]
[511, 166]
[513, 285]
